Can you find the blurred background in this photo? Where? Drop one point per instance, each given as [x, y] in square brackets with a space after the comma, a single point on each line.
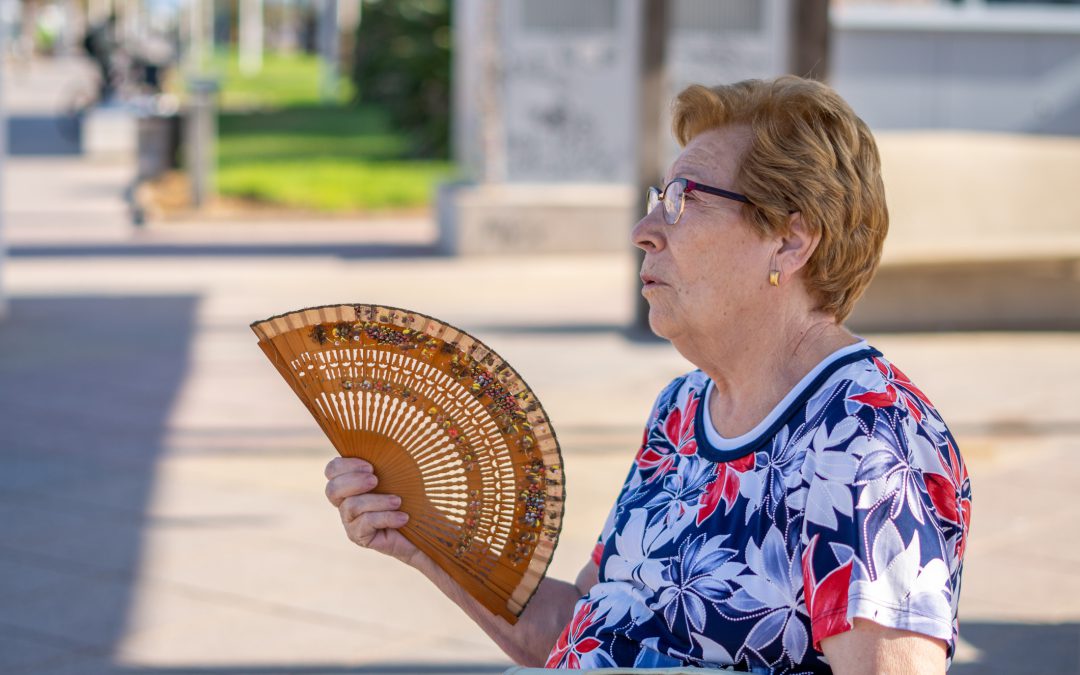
[173, 170]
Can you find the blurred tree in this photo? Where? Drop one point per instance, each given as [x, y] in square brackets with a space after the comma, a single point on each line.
[402, 63]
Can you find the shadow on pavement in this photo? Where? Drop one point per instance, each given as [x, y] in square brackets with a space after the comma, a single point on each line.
[141, 250]
[86, 388]
[398, 668]
[1021, 648]
[44, 135]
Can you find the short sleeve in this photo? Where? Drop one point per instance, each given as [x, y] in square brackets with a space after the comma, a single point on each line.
[873, 545]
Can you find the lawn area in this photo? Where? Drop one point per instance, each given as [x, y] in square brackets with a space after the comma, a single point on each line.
[278, 144]
[285, 80]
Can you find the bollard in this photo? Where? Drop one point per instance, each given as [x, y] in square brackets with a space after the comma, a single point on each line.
[201, 138]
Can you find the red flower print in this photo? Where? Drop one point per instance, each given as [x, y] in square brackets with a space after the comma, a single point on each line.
[677, 437]
[653, 458]
[897, 385]
[679, 427]
[725, 487]
[827, 600]
[571, 645]
[598, 553]
[946, 493]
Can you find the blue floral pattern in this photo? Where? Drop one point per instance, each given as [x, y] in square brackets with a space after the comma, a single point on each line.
[855, 503]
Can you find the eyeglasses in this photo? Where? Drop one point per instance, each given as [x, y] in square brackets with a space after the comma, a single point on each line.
[674, 194]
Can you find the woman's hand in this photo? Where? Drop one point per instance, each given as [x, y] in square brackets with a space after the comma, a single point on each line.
[370, 520]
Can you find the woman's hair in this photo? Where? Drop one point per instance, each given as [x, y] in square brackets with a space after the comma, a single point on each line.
[809, 153]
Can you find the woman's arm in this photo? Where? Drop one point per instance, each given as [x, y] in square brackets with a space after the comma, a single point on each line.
[372, 521]
[872, 648]
[529, 641]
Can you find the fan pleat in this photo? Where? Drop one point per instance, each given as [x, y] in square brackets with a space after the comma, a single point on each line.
[448, 426]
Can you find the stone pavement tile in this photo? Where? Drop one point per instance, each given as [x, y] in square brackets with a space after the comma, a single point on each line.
[77, 482]
[21, 574]
[171, 629]
[451, 652]
[71, 535]
[40, 471]
[352, 586]
[296, 476]
[1014, 587]
[1003, 648]
[25, 651]
[1041, 529]
[88, 612]
[84, 665]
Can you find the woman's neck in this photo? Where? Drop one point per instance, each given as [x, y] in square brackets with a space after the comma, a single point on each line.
[753, 374]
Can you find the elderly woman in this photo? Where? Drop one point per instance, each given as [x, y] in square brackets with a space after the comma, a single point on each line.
[797, 504]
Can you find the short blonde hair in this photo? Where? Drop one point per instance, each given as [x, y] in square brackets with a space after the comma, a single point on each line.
[809, 153]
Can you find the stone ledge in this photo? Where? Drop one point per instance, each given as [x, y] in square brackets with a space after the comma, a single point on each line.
[526, 218]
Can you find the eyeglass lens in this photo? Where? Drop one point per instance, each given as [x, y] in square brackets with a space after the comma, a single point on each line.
[673, 201]
[673, 196]
[652, 198]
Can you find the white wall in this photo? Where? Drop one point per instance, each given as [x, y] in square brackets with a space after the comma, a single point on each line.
[989, 68]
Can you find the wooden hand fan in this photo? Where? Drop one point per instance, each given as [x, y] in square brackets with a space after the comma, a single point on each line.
[448, 425]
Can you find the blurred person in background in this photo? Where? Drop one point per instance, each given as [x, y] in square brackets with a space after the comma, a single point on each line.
[101, 45]
[797, 504]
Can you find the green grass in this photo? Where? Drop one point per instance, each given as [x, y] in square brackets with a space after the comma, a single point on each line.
[285, 80]
[335, 184]
[277, 143]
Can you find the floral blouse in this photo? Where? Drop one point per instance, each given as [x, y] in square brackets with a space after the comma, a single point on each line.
[849, 500]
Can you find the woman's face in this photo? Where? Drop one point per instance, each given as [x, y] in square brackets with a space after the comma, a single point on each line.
[707, 273]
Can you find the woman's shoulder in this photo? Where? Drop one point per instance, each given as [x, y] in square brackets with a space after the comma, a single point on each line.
[680, 390]
[878, 384]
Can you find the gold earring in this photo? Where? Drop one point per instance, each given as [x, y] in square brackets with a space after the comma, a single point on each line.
[774, 277]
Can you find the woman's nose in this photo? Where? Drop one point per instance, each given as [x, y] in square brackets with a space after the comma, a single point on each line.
[648, 234]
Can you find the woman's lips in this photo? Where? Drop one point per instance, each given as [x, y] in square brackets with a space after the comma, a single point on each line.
[649, 281]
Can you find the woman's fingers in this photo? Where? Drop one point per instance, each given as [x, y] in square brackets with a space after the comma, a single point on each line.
[345, 485]
[353, 507]
[371, 520]
[342, 465]
[365, 527]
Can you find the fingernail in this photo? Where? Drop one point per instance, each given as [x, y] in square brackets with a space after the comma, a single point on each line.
[395, 501]
[402, 517]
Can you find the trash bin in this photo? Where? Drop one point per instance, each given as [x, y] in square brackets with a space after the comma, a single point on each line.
[158, 144]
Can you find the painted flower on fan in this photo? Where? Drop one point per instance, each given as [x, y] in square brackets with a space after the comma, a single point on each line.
[341, 331]
[574, 642]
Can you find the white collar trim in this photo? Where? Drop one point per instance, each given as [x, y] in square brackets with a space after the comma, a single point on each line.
[721, 443]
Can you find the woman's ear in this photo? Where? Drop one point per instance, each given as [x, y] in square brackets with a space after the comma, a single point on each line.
[796, 245]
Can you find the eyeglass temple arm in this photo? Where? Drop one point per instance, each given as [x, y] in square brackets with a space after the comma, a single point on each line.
[719, 192]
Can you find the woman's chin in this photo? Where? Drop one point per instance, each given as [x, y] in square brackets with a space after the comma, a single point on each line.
[660, 323]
